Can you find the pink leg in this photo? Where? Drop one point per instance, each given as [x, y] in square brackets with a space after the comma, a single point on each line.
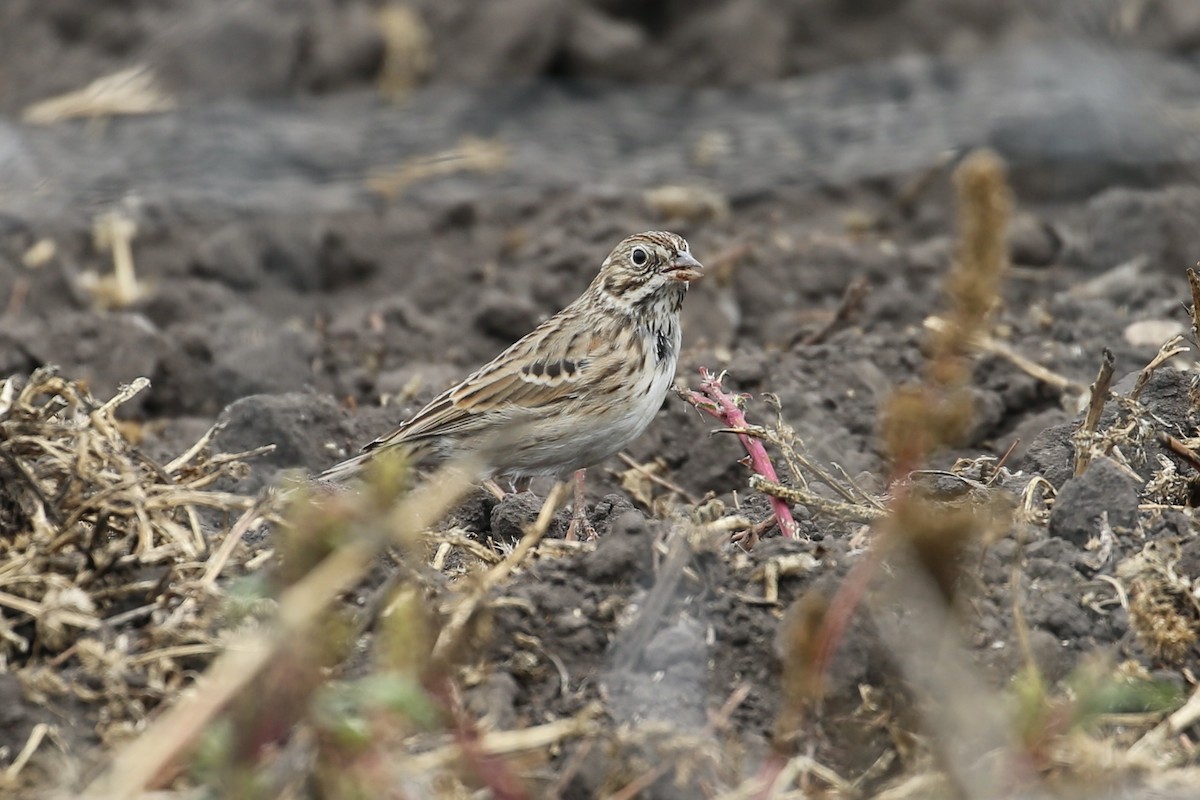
[579, 521]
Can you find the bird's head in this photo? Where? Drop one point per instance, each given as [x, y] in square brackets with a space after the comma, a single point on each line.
[647, 268]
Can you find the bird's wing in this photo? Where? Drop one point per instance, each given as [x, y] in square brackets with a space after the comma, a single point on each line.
[544, 369]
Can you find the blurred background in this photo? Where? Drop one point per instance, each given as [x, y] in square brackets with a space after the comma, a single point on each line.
[306, 96]
[365, 199]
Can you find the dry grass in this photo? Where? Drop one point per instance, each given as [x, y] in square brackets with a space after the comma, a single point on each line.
[471, 155]
[103, 599]
[131, 91]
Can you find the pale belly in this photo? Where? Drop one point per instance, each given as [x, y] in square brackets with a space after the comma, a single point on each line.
[559, 445]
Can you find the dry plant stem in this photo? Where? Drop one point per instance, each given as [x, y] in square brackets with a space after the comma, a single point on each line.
[967, 721]
[37, 610]
[848, 511]
[805, 765]
[1155, 741]
[1100, 391]
[461, 538]
[471, 155]
[670, 486]
[1173, 347]
[151, 759]
[31, 745]
[250, 518]
[713, 400]
[117, 231]
[973, 288]
[852, 301]
[1194, 283]
[567, 774]
[496, 743]
[989, 344]
[450, 635]
[1180, 449]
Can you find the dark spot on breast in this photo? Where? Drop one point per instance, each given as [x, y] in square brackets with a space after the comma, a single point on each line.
[662, 345]
[552, 370]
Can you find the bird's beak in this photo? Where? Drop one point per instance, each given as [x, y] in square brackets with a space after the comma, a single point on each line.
[685, 268]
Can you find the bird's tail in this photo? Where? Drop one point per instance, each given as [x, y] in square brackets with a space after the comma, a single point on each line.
[413, 452]
[346, 470]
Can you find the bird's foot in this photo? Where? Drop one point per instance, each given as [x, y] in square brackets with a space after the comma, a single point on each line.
[580, 529]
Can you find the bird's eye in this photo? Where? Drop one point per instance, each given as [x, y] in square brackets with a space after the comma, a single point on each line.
[639, 256]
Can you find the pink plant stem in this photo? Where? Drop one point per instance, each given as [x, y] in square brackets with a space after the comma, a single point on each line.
[713, 400]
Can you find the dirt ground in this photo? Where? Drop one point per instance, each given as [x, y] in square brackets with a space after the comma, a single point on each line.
[309, 298]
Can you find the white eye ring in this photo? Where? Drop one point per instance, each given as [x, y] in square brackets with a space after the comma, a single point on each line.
[639, 256]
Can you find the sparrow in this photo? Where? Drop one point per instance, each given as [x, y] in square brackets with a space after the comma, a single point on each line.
[577, 389]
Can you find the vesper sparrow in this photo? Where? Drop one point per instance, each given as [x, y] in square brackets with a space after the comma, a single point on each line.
[579, 388]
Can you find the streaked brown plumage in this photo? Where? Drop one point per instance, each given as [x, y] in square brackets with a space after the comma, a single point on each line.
[577, 389]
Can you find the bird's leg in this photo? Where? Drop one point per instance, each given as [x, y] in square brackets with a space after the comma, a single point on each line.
[579, 521]
[494, 489]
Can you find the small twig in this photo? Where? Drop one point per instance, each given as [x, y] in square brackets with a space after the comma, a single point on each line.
[988, 344]
[1182, 719]
[178, 651]
[217, 561]
[1180, 449]
[31, 745]
[570, 769]
[670, 486]
[807, 765]
[458, 537]
[1003, 460]
[852, 300]
[127, 391]
[189, 454]
[1194, 283]
[1100, 393]
[713, 400]
[496, 743]
[450, 635]
[37, 610]
[1169, 350]
[749, 537]
[834, 508]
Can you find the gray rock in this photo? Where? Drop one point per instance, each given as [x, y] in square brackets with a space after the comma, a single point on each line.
[623, 554]
[1118, 231]
[103, 349]
[240, 49]
[506, 38]
[1033, 242]
[1051, 454]
[1083, 500]
[298, 424]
